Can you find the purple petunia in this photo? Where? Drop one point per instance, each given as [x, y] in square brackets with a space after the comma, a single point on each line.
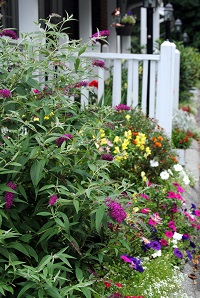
[178, 253]
[9, 196]
[122, 107]
[189, 255]
[53, 200]
[115, 210]
[155, 245]
[63, 138]
[98, 63]
[5, 93]
[107, 156]
[9, 33]
[134, 263]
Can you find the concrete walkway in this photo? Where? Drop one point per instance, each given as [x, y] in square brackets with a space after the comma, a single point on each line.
[192, 195]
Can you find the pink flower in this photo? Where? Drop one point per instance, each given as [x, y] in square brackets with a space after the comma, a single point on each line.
[171, 224]
[9, 33]
[142, 195]
[197, 212]
[53, 200]
[145, 210]
[98, 63]
[152, 222]
[169, 234]
[5, 93]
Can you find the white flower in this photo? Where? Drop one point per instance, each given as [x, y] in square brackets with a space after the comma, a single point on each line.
[177, 236]
[164, 175]
[154, 163]
[178, 168]
[157, 254]
[186, 180]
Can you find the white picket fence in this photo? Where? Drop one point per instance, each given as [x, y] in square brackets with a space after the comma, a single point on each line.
[163, 84]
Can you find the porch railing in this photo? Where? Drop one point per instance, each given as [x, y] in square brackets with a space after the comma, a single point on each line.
[163, 90]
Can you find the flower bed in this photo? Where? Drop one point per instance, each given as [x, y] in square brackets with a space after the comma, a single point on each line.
[92, 199]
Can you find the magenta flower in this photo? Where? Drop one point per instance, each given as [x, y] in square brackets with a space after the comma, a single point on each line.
[178, 187]
[53, 200]
[9, 196]
[99, 34]
[197, 212]
[98, 63]
[169, 234]
[9, 33]
[63, 138]
[107, 156]
[115, 210]
[5, 93]
[163, 242]
[144, 196]
[122, 107]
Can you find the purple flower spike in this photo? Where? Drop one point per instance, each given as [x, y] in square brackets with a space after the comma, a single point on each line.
[178, 253]
[9, 196]
[122, 107]
[115, 210]
[107, 157]
[100, 34]
[53, 200]
[9, 33]
[5, 93]
[63, 138]
[98, 63]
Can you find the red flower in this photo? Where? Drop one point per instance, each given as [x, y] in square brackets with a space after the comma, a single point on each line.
[107, 284]
[163, 242]
[119, 285]
[93, 83]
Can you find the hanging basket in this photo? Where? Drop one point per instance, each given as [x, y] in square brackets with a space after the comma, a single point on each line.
[125, 30]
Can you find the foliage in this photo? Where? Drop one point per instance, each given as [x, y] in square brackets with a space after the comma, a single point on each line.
[181, 139]
[80, 186]
[128, 18]
[189, 70]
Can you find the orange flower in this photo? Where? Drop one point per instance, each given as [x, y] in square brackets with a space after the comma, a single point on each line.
[154, 139]
[158, 144]
[160, 138]
[134, 133]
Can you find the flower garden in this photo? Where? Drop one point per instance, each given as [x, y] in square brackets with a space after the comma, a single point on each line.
[92, 198]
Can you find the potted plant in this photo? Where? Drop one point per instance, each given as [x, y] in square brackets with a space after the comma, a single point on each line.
[126, 24]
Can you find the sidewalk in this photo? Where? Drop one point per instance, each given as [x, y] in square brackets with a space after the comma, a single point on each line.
[192, 195]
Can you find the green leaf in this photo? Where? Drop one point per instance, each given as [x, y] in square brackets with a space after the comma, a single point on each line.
[76, 205]
[99, 216]
[86, 292]
[44, 213]
[40, 293]
[47, 187]
[82, 50]
[20, 247]
[76, 64]
[45, 260]
[32, 83]
[36, 171]
[21, 190]
[92, 167]
[25, 288]
[79, 273]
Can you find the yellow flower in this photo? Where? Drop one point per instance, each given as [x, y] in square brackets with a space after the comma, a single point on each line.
[36, 119]
[46, 117]
[117, 139]
[125, 144]
[103, 141]
[143, 175]
[118, 158]
[125, 155]
[127, 117]
[116, 150]
[148, 151]
[128, 134]
[51, 114]
[102, 135]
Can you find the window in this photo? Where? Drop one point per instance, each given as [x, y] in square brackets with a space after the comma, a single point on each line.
[9, 10]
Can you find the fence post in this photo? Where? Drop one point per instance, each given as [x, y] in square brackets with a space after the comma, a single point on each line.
[165, 87]
[176, 79]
